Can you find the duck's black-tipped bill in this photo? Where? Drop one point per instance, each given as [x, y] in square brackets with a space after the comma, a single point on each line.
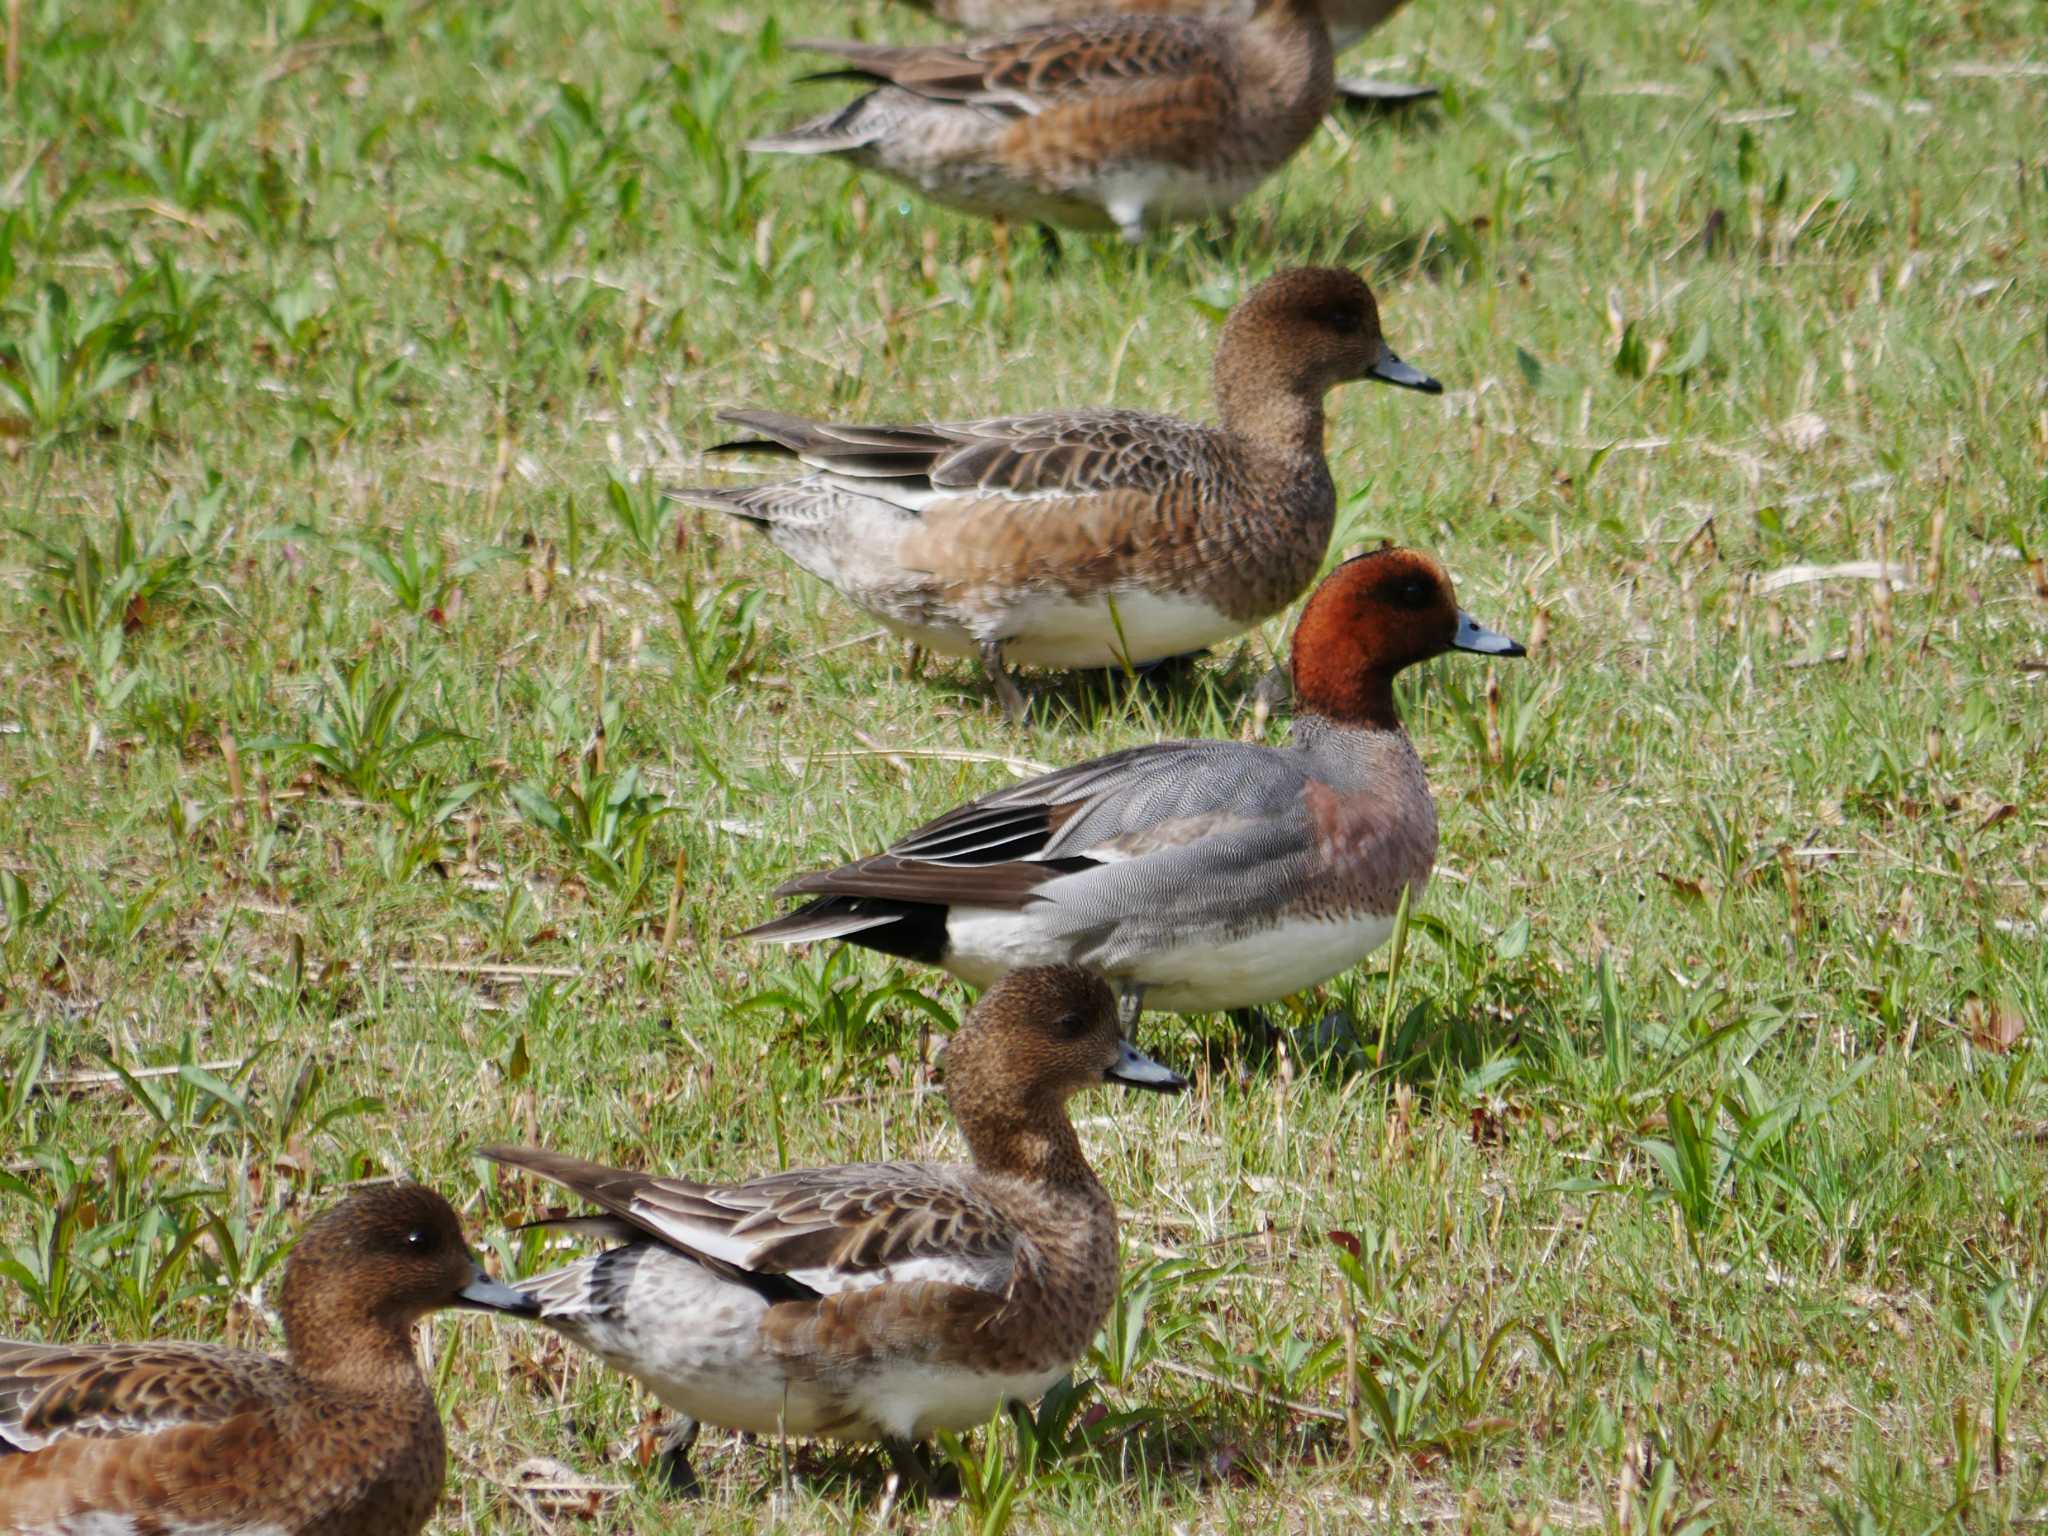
[483, 1294]
[1475, 636]
[1134, 1069]
[1391, 370]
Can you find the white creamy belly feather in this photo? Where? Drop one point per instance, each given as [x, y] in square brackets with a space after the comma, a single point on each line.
[1205, 976]
[1062, 632]
[916, 1401]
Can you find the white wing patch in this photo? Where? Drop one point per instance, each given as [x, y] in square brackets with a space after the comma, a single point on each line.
[991, 1275]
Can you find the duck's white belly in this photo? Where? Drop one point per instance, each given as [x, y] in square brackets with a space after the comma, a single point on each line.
[1164, 193]
[1204, 976]
[914, 1401]
[694, 1341]
[1258, 967]
[1063, 632]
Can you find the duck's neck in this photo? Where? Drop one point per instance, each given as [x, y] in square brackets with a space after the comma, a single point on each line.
[1363, 702]
[1030, 1141]
[1290, 64]
[1262, 401]
[360, 1356]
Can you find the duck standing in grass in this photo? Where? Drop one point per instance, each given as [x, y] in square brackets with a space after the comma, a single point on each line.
[1198, 876]
[196, 1440]
[880, 1301]
[1088, 538]
[1116, 122]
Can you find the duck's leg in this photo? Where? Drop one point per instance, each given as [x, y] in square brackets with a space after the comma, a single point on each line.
[912, 1470]
[1274, 691]
[1024, 1421]
[1130, 1002]
[673, 1457]
[1006, 687]
[1256, 1031]
[1049, 243]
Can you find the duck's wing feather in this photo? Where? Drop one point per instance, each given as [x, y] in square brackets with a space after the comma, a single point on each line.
[826, 1229]
[53, 1392]
[1056, 454]
[1035, 67]
[1001, 850]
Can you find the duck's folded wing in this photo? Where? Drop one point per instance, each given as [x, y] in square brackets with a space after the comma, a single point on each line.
[1031, 69]
[848, 1228]
[52, 1392]
[1056, 455]
[827, 1230]
[1003, 849]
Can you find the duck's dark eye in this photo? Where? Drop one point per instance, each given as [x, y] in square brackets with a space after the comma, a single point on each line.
[1409, 592]
[1072, 1024]
[419, 1240]
[1341, 317]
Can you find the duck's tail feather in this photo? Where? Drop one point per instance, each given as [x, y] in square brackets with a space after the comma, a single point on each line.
[734, 503]
[910, 930]
[854, 126]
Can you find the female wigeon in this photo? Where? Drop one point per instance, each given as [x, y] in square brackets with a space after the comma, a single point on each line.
[1087, 538]
[1197, 875]
[878, 1301]
[1122, 123]
[185, 1439]
[1348, 20]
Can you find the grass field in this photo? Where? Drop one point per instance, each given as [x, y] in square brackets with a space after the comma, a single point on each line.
[382, 766]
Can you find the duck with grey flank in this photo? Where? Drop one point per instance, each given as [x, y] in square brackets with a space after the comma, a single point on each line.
[1087, 538]
[1124, 123]
[876, 1301]
[172, 1439]
[1197, 876]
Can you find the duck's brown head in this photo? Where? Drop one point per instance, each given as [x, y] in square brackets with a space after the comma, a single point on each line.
[1291, 340]
[1036, 1038]
[1371, 618]
[378, 1262]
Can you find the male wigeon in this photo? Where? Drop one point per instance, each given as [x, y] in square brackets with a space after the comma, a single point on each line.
[872, 1301]
[1087, 538]
[1196, 875]
[184, 1439]
[1123, 123]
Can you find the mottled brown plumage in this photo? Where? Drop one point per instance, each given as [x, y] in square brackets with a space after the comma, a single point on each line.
[1348, 20]
[157, 1439]
[1196, 875]
[1103, 122]
[874, 1301]
[1087, 538]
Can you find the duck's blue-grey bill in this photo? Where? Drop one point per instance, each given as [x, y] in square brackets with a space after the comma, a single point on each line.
[1475, 636]
[1391, 370]
[1135, 1069]
[483, 1294]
